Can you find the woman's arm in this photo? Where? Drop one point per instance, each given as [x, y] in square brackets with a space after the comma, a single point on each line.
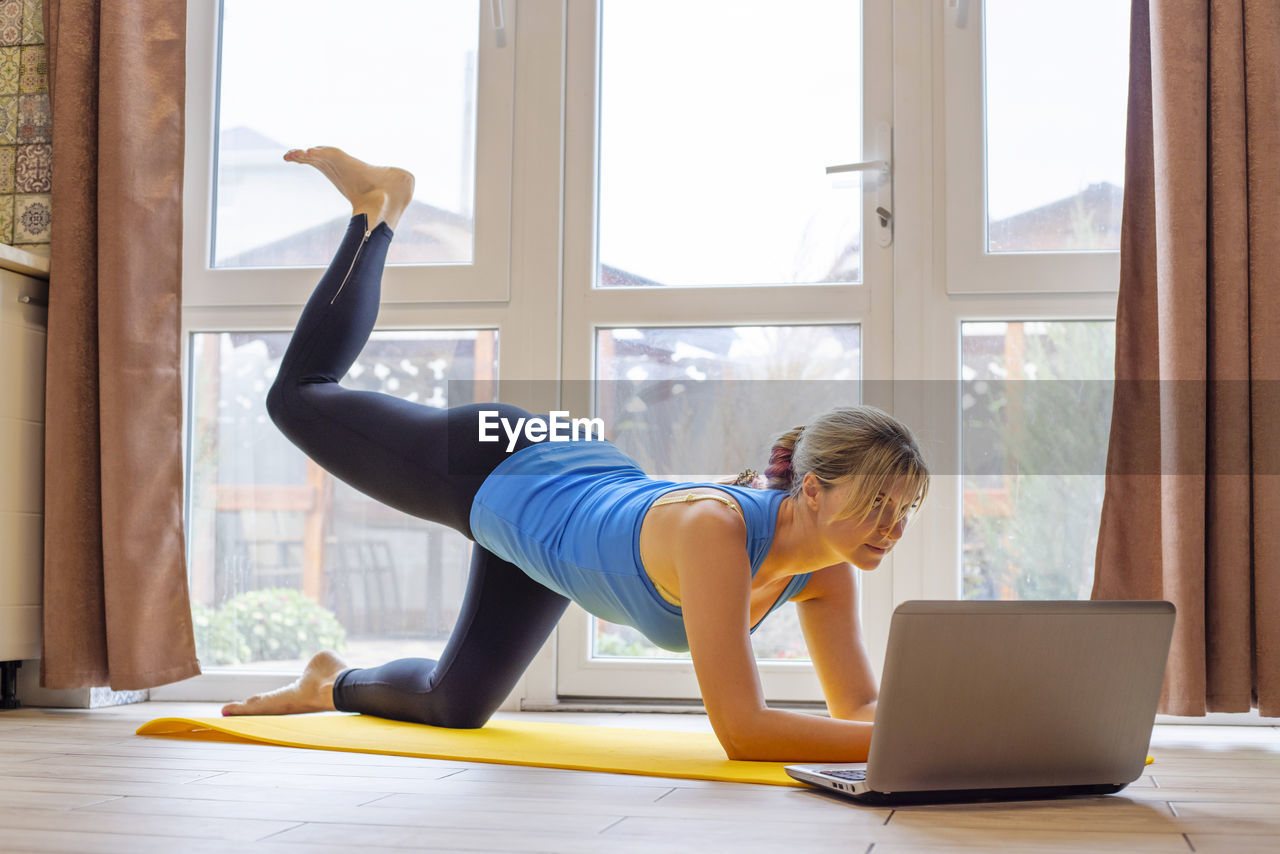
[715, 594]
[828, 610]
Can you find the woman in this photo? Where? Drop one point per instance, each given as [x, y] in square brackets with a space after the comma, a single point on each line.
[693, 567]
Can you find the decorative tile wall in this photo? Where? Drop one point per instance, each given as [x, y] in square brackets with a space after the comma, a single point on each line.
[25, 153]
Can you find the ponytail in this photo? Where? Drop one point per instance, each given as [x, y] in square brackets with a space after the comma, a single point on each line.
[779, 473]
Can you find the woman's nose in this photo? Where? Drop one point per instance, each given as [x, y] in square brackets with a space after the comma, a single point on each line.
[894, 530]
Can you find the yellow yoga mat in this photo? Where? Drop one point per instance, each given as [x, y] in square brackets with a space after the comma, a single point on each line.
[657, 753]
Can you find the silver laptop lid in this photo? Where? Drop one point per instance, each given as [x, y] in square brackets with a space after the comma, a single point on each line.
[980, 695]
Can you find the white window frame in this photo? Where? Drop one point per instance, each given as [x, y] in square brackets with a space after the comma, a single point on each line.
[970, 269]
[528, 320]
[486, 278]
[959, 282]
[588, 310]
[548, 317]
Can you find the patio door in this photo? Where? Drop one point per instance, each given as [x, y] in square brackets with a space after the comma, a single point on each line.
[728, 260]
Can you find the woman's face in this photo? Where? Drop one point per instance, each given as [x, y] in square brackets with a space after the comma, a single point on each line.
[861, 542]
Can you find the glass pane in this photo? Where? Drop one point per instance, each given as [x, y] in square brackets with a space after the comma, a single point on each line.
[701, 404]
[1055, 123]
[717, 122]
[1035, 420]
[287, 80]
[284, 559]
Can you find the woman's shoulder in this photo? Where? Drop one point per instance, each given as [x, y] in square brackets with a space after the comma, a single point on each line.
[737, 510]
[764, 499]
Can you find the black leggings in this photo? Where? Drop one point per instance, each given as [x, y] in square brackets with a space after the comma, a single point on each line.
[423, 461]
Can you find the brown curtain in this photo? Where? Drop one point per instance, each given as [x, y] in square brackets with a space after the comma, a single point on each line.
[116, 610]
[1192, 507]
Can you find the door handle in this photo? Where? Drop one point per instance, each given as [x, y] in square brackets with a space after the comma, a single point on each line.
[883, 172]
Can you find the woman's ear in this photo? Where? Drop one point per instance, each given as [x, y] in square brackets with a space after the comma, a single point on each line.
[809, 488]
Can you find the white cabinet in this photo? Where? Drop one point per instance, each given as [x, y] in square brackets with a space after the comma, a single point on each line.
[22, 369]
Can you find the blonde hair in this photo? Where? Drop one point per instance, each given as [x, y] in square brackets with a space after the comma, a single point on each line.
[861, 445]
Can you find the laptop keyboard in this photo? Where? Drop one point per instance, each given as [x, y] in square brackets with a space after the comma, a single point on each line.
[847, 775]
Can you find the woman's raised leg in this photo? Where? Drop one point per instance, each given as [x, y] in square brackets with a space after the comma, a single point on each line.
[418, 459]
[423, 461]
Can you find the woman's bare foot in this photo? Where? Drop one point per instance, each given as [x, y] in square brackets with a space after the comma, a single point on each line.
[381, 192]
[311, 692]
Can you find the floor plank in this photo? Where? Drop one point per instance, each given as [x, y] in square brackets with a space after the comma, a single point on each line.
[1233, 844]
[522, 841]
[188, 827]
[117, 788]
[215, 763]
[49, 800]
[1111, 813]
[439, 815]
[632, 793]
[74, 842]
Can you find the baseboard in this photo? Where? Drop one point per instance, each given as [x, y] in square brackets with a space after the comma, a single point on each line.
[1250, 718]
[647, 706]
[31, 695]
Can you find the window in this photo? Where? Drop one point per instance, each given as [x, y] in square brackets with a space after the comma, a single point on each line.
[1035, 139]
[712, 160]
[1035, 417]
[1034, 152]
[1055, 124]
[279, 76]
[270, 213]
[717, 285]
[285, 559]
[636, 204]
[268, 529]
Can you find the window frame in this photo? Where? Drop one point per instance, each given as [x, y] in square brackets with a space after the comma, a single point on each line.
[970, 284]
[589, 310]
[527, 319]
[486, 278]
[970, 269]
[548, 319]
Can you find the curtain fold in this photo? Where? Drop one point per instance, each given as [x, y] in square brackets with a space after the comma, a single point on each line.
[116, 605]
[1193, 468]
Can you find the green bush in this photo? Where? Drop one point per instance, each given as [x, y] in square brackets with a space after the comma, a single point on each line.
[276, 624]
[217, 641]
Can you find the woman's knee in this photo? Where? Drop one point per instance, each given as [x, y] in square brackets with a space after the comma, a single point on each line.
[460, 712]
[286, 405]
[277, 405]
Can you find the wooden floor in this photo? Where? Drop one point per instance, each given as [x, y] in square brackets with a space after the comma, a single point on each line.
[81, 781]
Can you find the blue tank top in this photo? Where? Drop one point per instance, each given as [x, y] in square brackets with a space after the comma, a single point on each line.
[569, 515]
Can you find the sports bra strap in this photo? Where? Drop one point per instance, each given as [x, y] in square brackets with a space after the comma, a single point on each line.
[689, 496]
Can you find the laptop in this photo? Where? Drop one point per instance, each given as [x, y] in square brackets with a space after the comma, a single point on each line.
[1010, 700]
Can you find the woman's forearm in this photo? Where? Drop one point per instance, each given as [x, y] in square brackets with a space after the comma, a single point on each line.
[774, 735]
[866, 713]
